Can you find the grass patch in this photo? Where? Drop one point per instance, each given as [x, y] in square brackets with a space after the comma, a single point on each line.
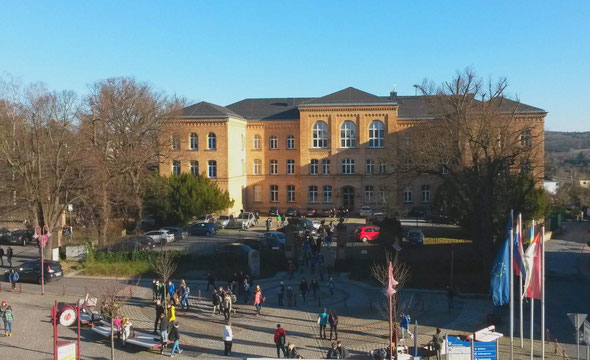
[117, 269]
[439, 241]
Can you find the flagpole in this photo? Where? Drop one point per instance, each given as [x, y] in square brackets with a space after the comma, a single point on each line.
[511, 292]
[532, 304]
[543, 292]
[520, 281]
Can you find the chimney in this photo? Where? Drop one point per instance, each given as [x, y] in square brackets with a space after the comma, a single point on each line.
[393, 95]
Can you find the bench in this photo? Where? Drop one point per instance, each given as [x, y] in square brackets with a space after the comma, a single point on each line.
[142, 339]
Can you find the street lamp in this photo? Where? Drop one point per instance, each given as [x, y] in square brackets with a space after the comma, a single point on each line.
[389, 291]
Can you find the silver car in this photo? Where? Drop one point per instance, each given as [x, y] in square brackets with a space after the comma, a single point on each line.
[222, 221]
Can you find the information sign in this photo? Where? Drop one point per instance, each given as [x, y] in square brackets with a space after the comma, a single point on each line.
[484, 350]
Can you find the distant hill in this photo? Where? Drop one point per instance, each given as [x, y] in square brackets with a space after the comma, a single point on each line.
[558, 141]
[567, 154]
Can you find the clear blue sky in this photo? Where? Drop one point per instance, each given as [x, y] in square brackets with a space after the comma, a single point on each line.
[224, 51]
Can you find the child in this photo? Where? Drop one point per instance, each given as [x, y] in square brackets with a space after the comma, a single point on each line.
[8, 317]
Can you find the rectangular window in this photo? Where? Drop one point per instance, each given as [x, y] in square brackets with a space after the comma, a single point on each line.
[274, 142]
[326, 166]
[444, 170]
[212, 169]
[175, 167]
[327, 194]
[408, 194]
[369, 192]
[347, 166]
[525, 138]
[257, 167]
[290, 167]
[257, 193]
[274, 193]
[257, 143]
[382, 168]
[313, 167]
[290, 193]
[425, 193]
[313, 194]
[274, 167]
[290, 142]
[383, 194]
[175, 142]
[195, 168]
[370, 167]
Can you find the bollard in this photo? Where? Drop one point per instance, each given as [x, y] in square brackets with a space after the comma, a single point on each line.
[199, 297]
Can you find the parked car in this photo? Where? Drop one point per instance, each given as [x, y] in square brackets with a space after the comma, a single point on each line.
[160, 236]
[4, 233]
[273, 240]
[273, 211]
[366, 233]
[145, 241]
[245, 220]
[222, 221]
[206, 229]
[415, 237]
[365, 211]
[30, 271]
[292, 211]
[209, 218]
[178, 233]
[377, 216]
[19, 237]
[235, 249]
[311, 212]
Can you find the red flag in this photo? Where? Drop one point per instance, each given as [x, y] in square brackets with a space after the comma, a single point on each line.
[533, 260]
[391, 282]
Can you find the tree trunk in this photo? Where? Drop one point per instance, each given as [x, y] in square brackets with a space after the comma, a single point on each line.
[105, 212]
[112, 340]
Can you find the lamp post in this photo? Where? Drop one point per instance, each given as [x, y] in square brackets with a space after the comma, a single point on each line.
[389, 291]
[42, 236]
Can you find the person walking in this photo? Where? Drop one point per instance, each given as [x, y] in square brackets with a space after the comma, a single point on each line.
[405, 326]
[183, 293]
[281, 293]
[13, 278]
[174, 336]
[216, 298]
[341, 350]
[246, 291]
[161, 292]
[268, 223]
[280, 341]
[303, 288]
[228, 338]
[154, 289]
[333, 320]
[171, 291]
[291, 299]
[331, 286]
[323, 321]
[291, 351]
[2, 256]
[258, 299]
[7, 317]
[9, 254]
[333, 352]
[159, 314]
[437, 342]
[171, 313]
[210, 281]
[164, 327]
[227, 305]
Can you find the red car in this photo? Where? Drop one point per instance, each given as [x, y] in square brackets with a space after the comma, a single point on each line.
[367, 233]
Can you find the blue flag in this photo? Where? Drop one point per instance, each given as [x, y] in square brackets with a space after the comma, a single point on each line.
[500, 275]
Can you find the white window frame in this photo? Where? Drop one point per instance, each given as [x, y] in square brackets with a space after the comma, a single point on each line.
[383, 194]
[320, 135]
[348, 135]
[327, 194]
[525, 137]
[212, 169]
[257, 167]
[194, 166]
[257, 193]
[314, 167]
[408, 194]
[347, 166]
[313, 194]
[376, 134]
[426, 193]
[193, 141]
[370, 167]
[290, 142]
[211, 141]
[290, 193]
[290, 167]
[369, 193]
[274, 193]
[176, 167]
[326, 166]
[273, 142]
[382, 168]
[257, 142]
[175, 145]
[273, 167]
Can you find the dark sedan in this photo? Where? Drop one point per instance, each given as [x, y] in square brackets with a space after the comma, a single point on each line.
[206, 229]
[31, 271]
[19, 237]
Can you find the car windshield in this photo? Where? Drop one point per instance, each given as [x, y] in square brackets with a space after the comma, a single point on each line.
[55, 266]
[224, 217]
[243, 216]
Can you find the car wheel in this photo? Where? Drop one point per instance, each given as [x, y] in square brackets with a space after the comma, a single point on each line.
[364, 239]
[208, 233]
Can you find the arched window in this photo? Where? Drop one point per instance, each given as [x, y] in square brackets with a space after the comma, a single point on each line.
[212, 169]
[274, 143]
[194, 141]
[290, 142]
[320, 135]
[376, 134]
[211, 141]
[257, 145]
[348, 134]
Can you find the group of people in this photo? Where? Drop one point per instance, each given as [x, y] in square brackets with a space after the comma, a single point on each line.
[176, 295]
[7, 317]
[166, 326]
[9, 253]
[289, 350]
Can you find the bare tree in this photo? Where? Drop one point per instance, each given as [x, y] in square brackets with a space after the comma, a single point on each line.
[164, 265]
[113, 298]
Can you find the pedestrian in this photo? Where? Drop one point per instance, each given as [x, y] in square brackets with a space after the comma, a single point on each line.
[161, 293]
[159, 314]
[437, 342]
[171, 291]
[291, 299]
[281, 293]
[3, 308]
[13, 278]
[125, 329]
[2, 256]
[280, 341]
[228, 338]
[174, 336]
[9, 254]
[303, 288]
[8, 317]
[451, 297]
[258, 299]
[323, 321]
[333, 320]
[405, 325]
[227, 305]
[341, 350]
[164, 327]
[256, 217]
[246, 291]
[210, 281]
[291, 351]
[315, 287]
[183, 293]
[171, 313]
[333, 352]
[331, 286]
[154, 289]
[268, 223]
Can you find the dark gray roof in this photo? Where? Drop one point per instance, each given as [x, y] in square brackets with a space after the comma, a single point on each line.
[205, 110]
[268, 109]
[349, 96]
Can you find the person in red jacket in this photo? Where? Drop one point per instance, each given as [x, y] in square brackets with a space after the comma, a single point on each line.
[280, 341]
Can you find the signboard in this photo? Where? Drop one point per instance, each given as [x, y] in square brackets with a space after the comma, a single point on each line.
[577, 319]
[67, 316]
[586, 332]
[458, 349]
[66, 351]
[484, 350]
